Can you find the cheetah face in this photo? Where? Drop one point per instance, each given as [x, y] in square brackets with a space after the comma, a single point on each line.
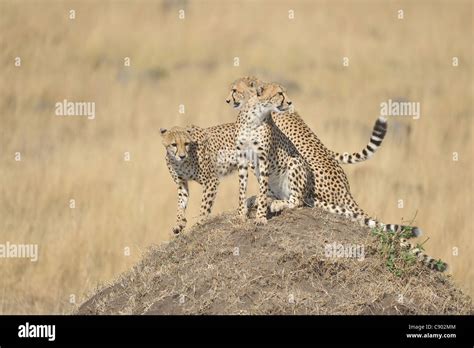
[273, 97]
[241, 90]
[177, 142]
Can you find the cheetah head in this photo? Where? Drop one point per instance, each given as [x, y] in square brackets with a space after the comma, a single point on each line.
[272, 97]
[177, 141]
[241, 90]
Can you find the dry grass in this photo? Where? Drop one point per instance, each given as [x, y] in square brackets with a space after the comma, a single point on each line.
[132, 204]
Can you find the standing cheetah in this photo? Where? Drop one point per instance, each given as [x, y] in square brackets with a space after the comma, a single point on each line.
[298, 131]
[191, 154]
[204, 155]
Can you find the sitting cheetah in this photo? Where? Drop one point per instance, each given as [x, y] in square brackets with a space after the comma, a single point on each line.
[298, 131]
[275, 160]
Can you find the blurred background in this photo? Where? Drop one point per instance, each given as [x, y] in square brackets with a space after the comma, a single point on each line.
[128, 205]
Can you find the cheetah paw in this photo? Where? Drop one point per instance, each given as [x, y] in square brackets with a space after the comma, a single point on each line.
[243, 213]
[277, 206]
[243, 218]
[260, 221]
[177, 229]
[202, 220]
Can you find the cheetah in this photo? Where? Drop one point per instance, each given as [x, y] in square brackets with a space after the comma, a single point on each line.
[201, 155]
[298, 131]
[276, 160]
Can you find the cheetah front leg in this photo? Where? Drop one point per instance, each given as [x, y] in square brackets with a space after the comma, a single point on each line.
[251, 202]
[208, 197]
[183, 195]
[243, 181]
[262, 174]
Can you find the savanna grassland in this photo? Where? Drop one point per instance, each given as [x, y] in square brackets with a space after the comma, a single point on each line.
[125, 206]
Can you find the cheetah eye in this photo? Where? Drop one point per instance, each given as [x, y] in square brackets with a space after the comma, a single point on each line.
[234, 90]
[174, 144]
[186, 144]
[280, 93]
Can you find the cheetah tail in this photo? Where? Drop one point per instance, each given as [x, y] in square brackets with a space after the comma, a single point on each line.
[378, 134]
[416, 250]
[394, 228]
[364, 220]
[426, 259]
[404, 243]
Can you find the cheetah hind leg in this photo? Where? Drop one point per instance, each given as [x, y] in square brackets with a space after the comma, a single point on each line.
[292, 186]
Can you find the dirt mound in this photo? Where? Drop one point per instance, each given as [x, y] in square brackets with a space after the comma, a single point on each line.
[227, 267]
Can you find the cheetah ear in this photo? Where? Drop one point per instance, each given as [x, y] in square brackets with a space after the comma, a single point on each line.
[163, 131]
[191, 130]
[259, 90]
[192, 127]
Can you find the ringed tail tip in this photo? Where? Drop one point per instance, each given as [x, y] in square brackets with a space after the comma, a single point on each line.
[417, 232]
